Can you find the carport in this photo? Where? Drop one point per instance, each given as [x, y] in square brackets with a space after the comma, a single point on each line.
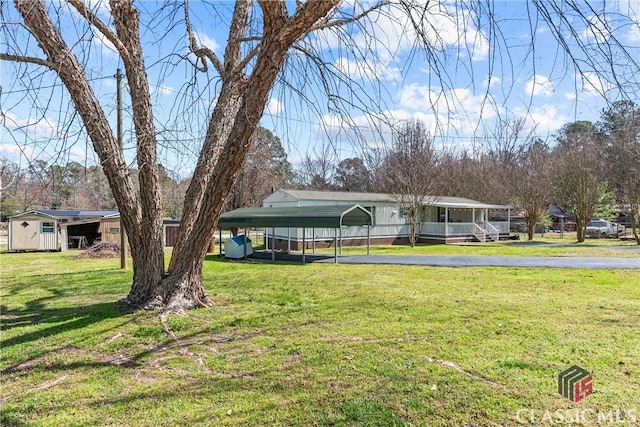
[303, 217]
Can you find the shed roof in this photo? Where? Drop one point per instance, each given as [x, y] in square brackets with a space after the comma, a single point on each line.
[296, 217]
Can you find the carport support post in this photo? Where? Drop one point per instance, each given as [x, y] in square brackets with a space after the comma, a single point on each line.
[314, 239]
[335, 246]
[368, 240]
[244, 247]
[340, 239]
[273, 243]
[220, 242]
[288, 239]
[304, 243]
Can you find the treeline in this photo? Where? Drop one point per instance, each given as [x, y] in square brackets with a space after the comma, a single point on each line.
[586, 169]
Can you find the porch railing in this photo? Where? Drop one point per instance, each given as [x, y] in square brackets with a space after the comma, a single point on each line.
[492, 231]
[479, 232]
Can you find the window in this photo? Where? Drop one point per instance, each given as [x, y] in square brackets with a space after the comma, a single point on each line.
[114, 230]
[47, 227]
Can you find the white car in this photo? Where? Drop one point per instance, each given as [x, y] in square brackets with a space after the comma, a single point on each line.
[603, 228]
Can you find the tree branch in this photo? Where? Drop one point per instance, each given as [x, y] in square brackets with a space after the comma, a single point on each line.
[26, 59]
[202, 52]
[327, 23]
[101, 26]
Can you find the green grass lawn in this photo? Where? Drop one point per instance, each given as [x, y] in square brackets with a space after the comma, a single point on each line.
[316, 344]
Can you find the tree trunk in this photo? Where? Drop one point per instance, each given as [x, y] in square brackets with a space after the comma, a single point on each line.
[531, 229]
[581, 229]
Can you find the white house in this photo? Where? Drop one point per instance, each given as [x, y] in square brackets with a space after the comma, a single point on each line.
[441, 220]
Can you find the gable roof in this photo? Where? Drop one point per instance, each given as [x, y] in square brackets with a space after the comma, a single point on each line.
[296, 217]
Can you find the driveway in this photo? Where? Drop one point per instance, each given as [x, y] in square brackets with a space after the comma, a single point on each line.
[465, 261]
[491, 261]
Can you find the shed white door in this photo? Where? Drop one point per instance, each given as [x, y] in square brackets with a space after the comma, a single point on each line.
[24, 234]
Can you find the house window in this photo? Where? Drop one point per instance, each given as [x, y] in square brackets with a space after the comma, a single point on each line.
[114, 230]
[47, 227]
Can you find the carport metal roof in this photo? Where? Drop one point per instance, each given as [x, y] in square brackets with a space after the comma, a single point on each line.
[297, 217]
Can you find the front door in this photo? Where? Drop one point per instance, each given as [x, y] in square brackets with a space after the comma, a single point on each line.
[24, 234]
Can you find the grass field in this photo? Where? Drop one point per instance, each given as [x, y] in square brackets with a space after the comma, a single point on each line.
[318, 344]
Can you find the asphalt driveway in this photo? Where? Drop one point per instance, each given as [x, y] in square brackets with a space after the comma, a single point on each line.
[465, 260]
[491, 261]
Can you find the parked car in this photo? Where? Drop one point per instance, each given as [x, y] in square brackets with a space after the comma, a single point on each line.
[602, 228]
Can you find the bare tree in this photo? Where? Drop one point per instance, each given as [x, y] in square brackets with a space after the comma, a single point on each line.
[246, 78]
[410, 171]
[620, 128]
[533, 183]
[578, 188]
[316, 170]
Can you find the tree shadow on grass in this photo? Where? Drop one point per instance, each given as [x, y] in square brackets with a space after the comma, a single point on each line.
[56, 320]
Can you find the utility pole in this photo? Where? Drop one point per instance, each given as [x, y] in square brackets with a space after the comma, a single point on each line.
[123, 233]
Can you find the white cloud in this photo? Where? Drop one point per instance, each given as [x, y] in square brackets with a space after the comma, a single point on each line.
[634, 33]
[491, 81]
[546, 118]
[14, 152]
[539, 86]
[571, 96]
[597, 29]
[592, 84]
[206, 41]
[43, 127]
[389, 31]
[274, 106]
[105, 45]
[367, 70]
[163, 90]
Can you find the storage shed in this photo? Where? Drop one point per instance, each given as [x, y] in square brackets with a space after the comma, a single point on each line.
[33, 231]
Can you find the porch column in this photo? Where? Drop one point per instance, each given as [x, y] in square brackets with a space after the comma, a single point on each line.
[473, 215]
[446, 223]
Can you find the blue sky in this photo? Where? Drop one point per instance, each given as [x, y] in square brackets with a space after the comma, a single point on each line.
[530, 77]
